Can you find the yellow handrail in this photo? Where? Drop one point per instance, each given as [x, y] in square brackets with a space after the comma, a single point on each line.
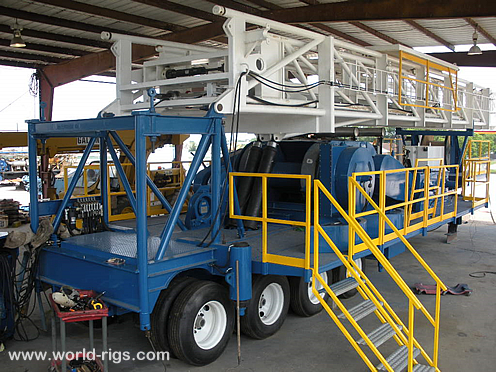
[473, 168]
[265, 220]
[427, 215]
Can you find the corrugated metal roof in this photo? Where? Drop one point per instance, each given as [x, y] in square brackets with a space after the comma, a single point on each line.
[453, 31]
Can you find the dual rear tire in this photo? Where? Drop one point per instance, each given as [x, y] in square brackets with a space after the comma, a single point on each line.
[193, 320]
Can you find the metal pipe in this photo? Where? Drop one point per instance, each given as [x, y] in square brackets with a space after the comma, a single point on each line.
[149, 182]
[122, 176]
[141, 223]
[216, 180]
[166, 234]
[104, 185]
[111, 36]
[372, 132]
[33, 180]
[72, 185]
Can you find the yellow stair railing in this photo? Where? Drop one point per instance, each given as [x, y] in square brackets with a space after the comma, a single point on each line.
[476, 171]
[402, 334]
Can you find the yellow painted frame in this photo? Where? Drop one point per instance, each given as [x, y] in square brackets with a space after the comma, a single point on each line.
[453, 88]
[268, 257]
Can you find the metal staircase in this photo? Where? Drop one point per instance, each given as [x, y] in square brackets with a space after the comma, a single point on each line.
[390, 326]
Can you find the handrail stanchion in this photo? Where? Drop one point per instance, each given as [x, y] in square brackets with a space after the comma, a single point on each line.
[436, 329]
[427, 176]
[411, 314]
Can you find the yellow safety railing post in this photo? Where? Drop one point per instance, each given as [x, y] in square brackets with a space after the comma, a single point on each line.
[264, 219]
[351, 210]
[382, 205]
[411, 314]
[406, 221]
[426, 197]
[308, 217]
[437, 316]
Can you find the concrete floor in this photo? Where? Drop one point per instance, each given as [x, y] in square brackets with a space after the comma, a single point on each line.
[468, 324]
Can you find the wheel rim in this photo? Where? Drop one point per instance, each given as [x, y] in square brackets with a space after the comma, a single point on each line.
[271, 303]
[318, 286]
[210, 325]
[358, 262]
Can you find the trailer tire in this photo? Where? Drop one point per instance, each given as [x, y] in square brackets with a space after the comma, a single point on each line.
[266, 311]
[303, 302]
[201, 322]
[159, 318]
[340, 274]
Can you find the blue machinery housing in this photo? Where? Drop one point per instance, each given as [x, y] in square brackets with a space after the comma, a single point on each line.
[156, 250]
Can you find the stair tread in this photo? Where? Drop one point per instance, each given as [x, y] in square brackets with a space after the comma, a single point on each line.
[344, 286]
[361, 310]
[380, 335]
[423, 368]
[398, 360]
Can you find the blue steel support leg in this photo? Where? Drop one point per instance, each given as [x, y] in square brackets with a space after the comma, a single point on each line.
[215, 182]
[149, 182]
[141, 226]
[166, 235]
[33, 181]
[72, 185]
[237, 209]
[464, 146]
[122, 176]
[104, 186]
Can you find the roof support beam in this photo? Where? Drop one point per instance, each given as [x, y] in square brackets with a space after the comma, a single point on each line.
[384, 10]
[58, 37]
[310, 2]
[376, 33]
[29, 57]
[46, 48]
[343, 35]
[54, 21]
[112, 14]
[486, 34]
[486, 59]
[431, 34]
[265, 4]
[7, 62]
[181, 9]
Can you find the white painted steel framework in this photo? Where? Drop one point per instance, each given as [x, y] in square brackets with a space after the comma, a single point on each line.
[286, 79]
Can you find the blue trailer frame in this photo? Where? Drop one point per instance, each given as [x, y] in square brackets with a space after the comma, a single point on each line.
[155, 255]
